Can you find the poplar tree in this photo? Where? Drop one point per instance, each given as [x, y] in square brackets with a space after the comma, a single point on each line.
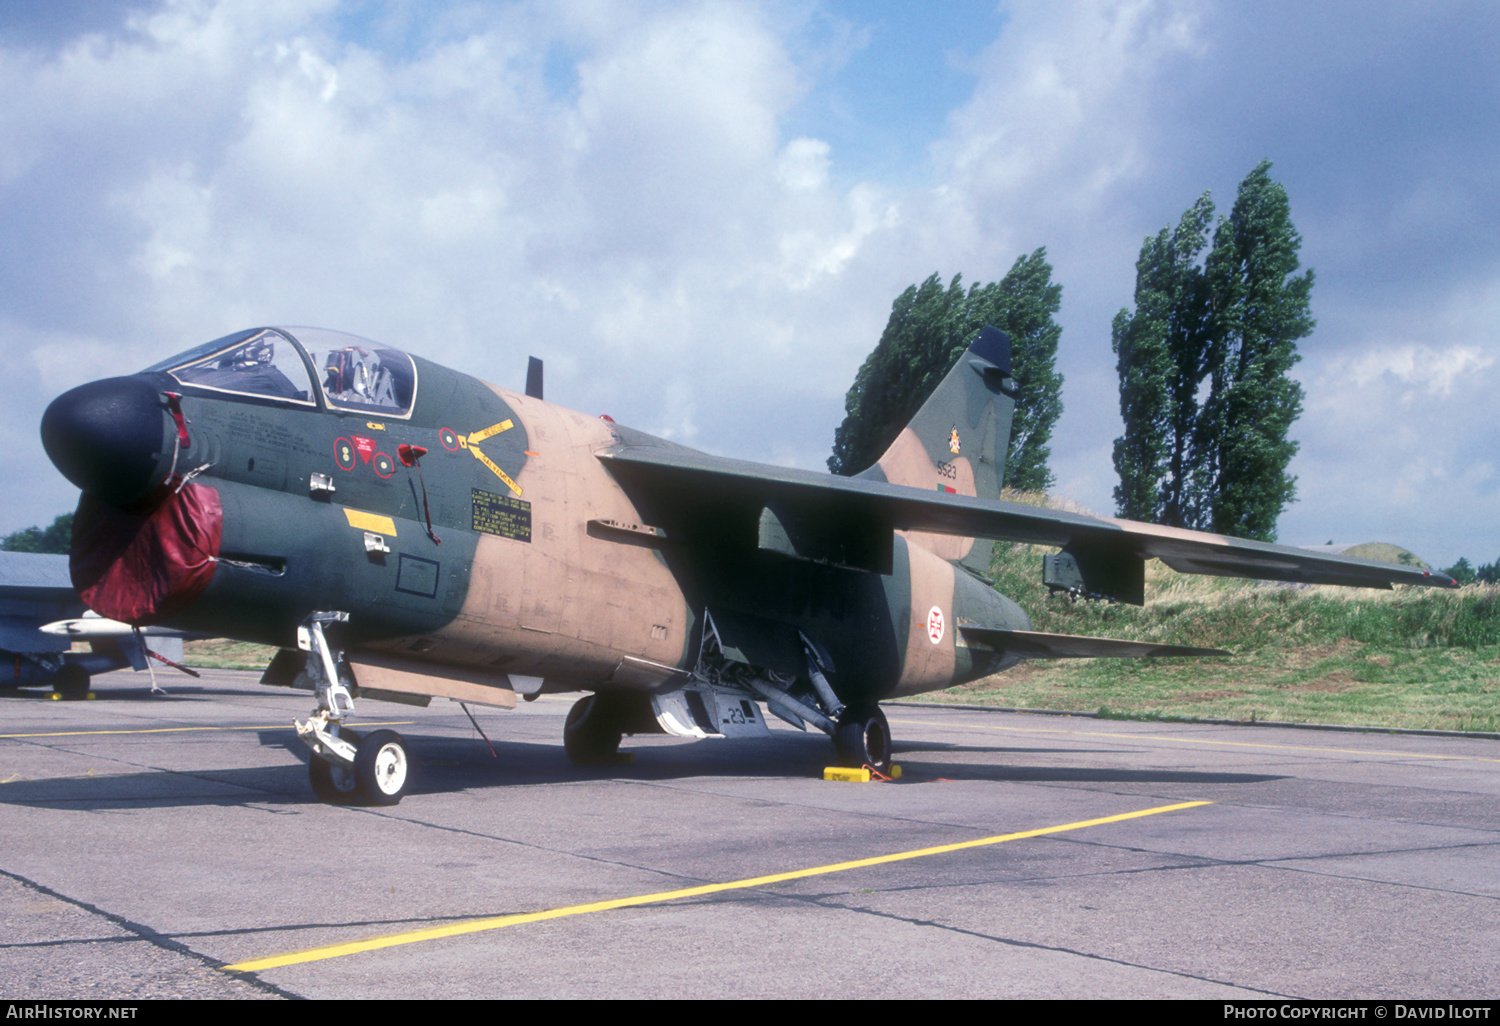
[929, 328]
[1204, 363]
[1260, 310]
[1161, 352]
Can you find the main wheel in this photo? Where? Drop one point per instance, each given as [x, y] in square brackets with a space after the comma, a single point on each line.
[71, 682]
[863, 738]
[591, 736]
[381, 768]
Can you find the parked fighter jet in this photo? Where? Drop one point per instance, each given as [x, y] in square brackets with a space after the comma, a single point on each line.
[405, 532]
[40, 618]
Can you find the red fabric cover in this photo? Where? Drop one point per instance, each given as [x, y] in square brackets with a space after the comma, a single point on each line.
[144, 567]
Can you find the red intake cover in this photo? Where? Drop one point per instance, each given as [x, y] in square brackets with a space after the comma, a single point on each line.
[145, 567]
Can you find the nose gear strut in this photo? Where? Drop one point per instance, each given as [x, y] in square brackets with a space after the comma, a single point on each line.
[345, 767]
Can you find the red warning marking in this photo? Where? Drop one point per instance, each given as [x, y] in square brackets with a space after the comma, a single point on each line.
[366, 447]
[449, 438]
[935, 625]
[343, 454]
[384, 465]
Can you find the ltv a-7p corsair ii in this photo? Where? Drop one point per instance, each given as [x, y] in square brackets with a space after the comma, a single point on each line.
[403, 531]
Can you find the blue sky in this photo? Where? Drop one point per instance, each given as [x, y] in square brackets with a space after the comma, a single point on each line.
[699, 213]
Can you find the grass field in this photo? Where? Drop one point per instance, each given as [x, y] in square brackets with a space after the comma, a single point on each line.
[1412, 657]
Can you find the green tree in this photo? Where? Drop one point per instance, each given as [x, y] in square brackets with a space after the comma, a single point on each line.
[1260, 310]
[55, 539]
[1161, 353]
[929, 328]
[1461, 571]
[1224, 332]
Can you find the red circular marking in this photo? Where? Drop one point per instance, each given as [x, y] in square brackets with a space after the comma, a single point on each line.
[449, 438]
[343, 454]
[935, 625]
[384, 465]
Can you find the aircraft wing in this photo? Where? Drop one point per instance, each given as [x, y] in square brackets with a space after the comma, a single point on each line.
[36, 576]
[34, 588]
[681, 485]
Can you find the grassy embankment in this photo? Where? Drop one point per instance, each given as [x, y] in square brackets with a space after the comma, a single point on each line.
[222, 654]
[1413, 657]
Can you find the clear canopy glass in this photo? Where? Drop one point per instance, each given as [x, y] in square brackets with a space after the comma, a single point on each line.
[357, 374]
[353, 373]
[260, 363]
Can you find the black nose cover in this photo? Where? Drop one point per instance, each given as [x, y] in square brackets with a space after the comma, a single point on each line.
[111, 438]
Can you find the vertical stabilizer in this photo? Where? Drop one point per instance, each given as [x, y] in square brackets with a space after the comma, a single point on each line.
[534, 378]
[957, 441]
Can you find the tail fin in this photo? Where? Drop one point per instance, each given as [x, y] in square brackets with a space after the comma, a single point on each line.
[957, 441]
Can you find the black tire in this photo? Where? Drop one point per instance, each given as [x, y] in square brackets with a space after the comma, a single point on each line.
[71, 682]
[382, 769]
[334, 785]
[863, 738]
[591, 736]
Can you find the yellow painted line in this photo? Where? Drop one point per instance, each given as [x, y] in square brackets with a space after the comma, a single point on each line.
[177, 730]
[370, 521]
[498, 922]
[1203, 741]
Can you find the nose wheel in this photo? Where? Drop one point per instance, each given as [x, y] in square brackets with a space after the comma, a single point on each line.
[333, 782]
[378, 775]
[380, 768]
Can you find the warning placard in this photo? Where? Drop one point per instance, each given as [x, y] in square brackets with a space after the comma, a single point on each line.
[502, 515]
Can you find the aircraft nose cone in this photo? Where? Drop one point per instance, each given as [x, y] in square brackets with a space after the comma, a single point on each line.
[110, 438]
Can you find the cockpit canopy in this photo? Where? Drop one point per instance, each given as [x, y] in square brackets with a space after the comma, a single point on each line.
[351, 373]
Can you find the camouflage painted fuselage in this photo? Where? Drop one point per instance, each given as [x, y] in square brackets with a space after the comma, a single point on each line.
[509, 548]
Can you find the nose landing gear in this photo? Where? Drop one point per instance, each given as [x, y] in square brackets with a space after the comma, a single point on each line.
[345, 769]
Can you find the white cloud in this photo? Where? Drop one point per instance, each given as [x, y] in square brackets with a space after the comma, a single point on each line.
[1415, 370]
[803, 165]
[614, 187]
[249, 166]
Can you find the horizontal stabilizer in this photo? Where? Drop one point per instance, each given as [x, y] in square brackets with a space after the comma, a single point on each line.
[1041, 645]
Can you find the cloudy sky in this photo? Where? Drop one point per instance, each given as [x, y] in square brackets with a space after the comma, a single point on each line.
[698, 213]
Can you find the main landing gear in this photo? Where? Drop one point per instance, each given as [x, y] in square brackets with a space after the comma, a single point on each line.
[863, 738]
[597, 722]
[346, 768]
[71, 682]
[718, 701]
